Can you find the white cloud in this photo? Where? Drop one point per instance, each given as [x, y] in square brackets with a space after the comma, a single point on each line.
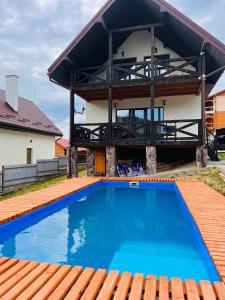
[47, 4]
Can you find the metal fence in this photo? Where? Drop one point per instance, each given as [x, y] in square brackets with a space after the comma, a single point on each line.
[16, 176]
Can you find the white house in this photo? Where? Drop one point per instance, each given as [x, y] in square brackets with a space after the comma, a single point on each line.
[144, 70]
[26, 133]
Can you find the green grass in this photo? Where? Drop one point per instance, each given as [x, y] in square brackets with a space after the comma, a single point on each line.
[39, 186]
[210, 176]
[221, 155]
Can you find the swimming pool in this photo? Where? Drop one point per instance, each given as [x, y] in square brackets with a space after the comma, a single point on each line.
[146, 229]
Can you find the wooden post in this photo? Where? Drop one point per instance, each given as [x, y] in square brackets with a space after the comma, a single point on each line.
[72, 150]
[203, 97]
[152, 89]
[110, 86]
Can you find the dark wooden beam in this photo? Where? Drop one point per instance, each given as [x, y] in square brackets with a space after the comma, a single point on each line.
[152, 104]
[109, 80]
[137, 28]
[72, 106]
[203, 97]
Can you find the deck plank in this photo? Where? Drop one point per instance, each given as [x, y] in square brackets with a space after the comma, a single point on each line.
[51, 285]
[177, 289]
[20, 286]
[8, 264]
[163, 288]
[123, 286]
[220, 290]
[16, 278]
[192, 290]
[137, 287]
[79, 287]
[95, 285]
[207, 290]
[150, 288]
[12, 271]
[109, 285]
[37, 284]
[61, 291]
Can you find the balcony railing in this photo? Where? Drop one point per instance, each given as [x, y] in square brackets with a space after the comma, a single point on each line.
[139, 71]
[143, 133]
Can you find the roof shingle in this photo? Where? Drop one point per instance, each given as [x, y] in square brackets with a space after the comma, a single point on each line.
[28, 117]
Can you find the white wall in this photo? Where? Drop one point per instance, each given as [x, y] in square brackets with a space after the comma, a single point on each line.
[14, 144]
[177, 107]
[138, 45]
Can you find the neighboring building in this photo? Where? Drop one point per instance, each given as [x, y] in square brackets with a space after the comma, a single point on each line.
[140, 65]
[62, 146]
[26, 133]
[215, 111]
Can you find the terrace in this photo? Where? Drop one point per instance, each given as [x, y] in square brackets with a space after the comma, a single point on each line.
[20, 278]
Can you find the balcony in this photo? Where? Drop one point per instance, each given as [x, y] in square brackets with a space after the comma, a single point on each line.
[179, 75]
[172, 132]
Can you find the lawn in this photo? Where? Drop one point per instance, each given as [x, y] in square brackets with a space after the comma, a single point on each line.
[221, 155]
[39, 186]
[211, 176]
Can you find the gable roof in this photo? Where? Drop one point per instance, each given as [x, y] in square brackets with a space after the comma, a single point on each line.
[29, 117]
[65, 143]
[216, 94]
[186, 37]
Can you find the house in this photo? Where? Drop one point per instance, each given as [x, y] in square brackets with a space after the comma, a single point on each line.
[62, 147]
[215, 110]
[26, 133]
[144, 70]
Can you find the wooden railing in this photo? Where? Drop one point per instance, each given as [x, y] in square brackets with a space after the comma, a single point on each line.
[163, 132]
[139, 71]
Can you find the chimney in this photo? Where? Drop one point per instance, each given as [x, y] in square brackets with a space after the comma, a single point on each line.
[12, 91]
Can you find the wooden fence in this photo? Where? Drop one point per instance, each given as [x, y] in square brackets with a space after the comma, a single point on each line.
[16, 176]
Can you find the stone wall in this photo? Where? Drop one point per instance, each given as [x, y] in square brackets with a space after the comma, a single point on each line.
[72, 162]
[90, 162]
[111, 161]
[151, 160]
[201, 157]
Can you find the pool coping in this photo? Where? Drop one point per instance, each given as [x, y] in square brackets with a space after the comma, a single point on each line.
[206, 206]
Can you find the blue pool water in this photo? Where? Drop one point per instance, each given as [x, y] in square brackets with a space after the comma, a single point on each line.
[110, 225]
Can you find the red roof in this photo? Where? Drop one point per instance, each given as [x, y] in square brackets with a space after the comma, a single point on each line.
[29, 117]
[65, 143]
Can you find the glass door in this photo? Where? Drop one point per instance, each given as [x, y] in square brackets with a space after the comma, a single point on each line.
[138, 118]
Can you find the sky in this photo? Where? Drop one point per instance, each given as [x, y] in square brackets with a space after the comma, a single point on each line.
[34, 32]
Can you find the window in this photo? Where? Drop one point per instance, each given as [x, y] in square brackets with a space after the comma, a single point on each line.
[123, 115]
[139, 115]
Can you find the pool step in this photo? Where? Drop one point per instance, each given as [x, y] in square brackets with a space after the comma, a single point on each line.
[182, 267]
[159, 249]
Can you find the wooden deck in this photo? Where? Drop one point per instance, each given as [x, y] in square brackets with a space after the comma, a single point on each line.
[33, 280]
[18, 206]
[23, 280]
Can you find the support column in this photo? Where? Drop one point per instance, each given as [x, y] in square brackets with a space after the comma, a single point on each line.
[111, 161]
[201, 157]
[72, 162]
[203, 97]
[90, 162]
[72, 150]
[151, 160]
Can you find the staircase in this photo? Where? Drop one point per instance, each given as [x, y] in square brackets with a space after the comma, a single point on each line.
[212, 146]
